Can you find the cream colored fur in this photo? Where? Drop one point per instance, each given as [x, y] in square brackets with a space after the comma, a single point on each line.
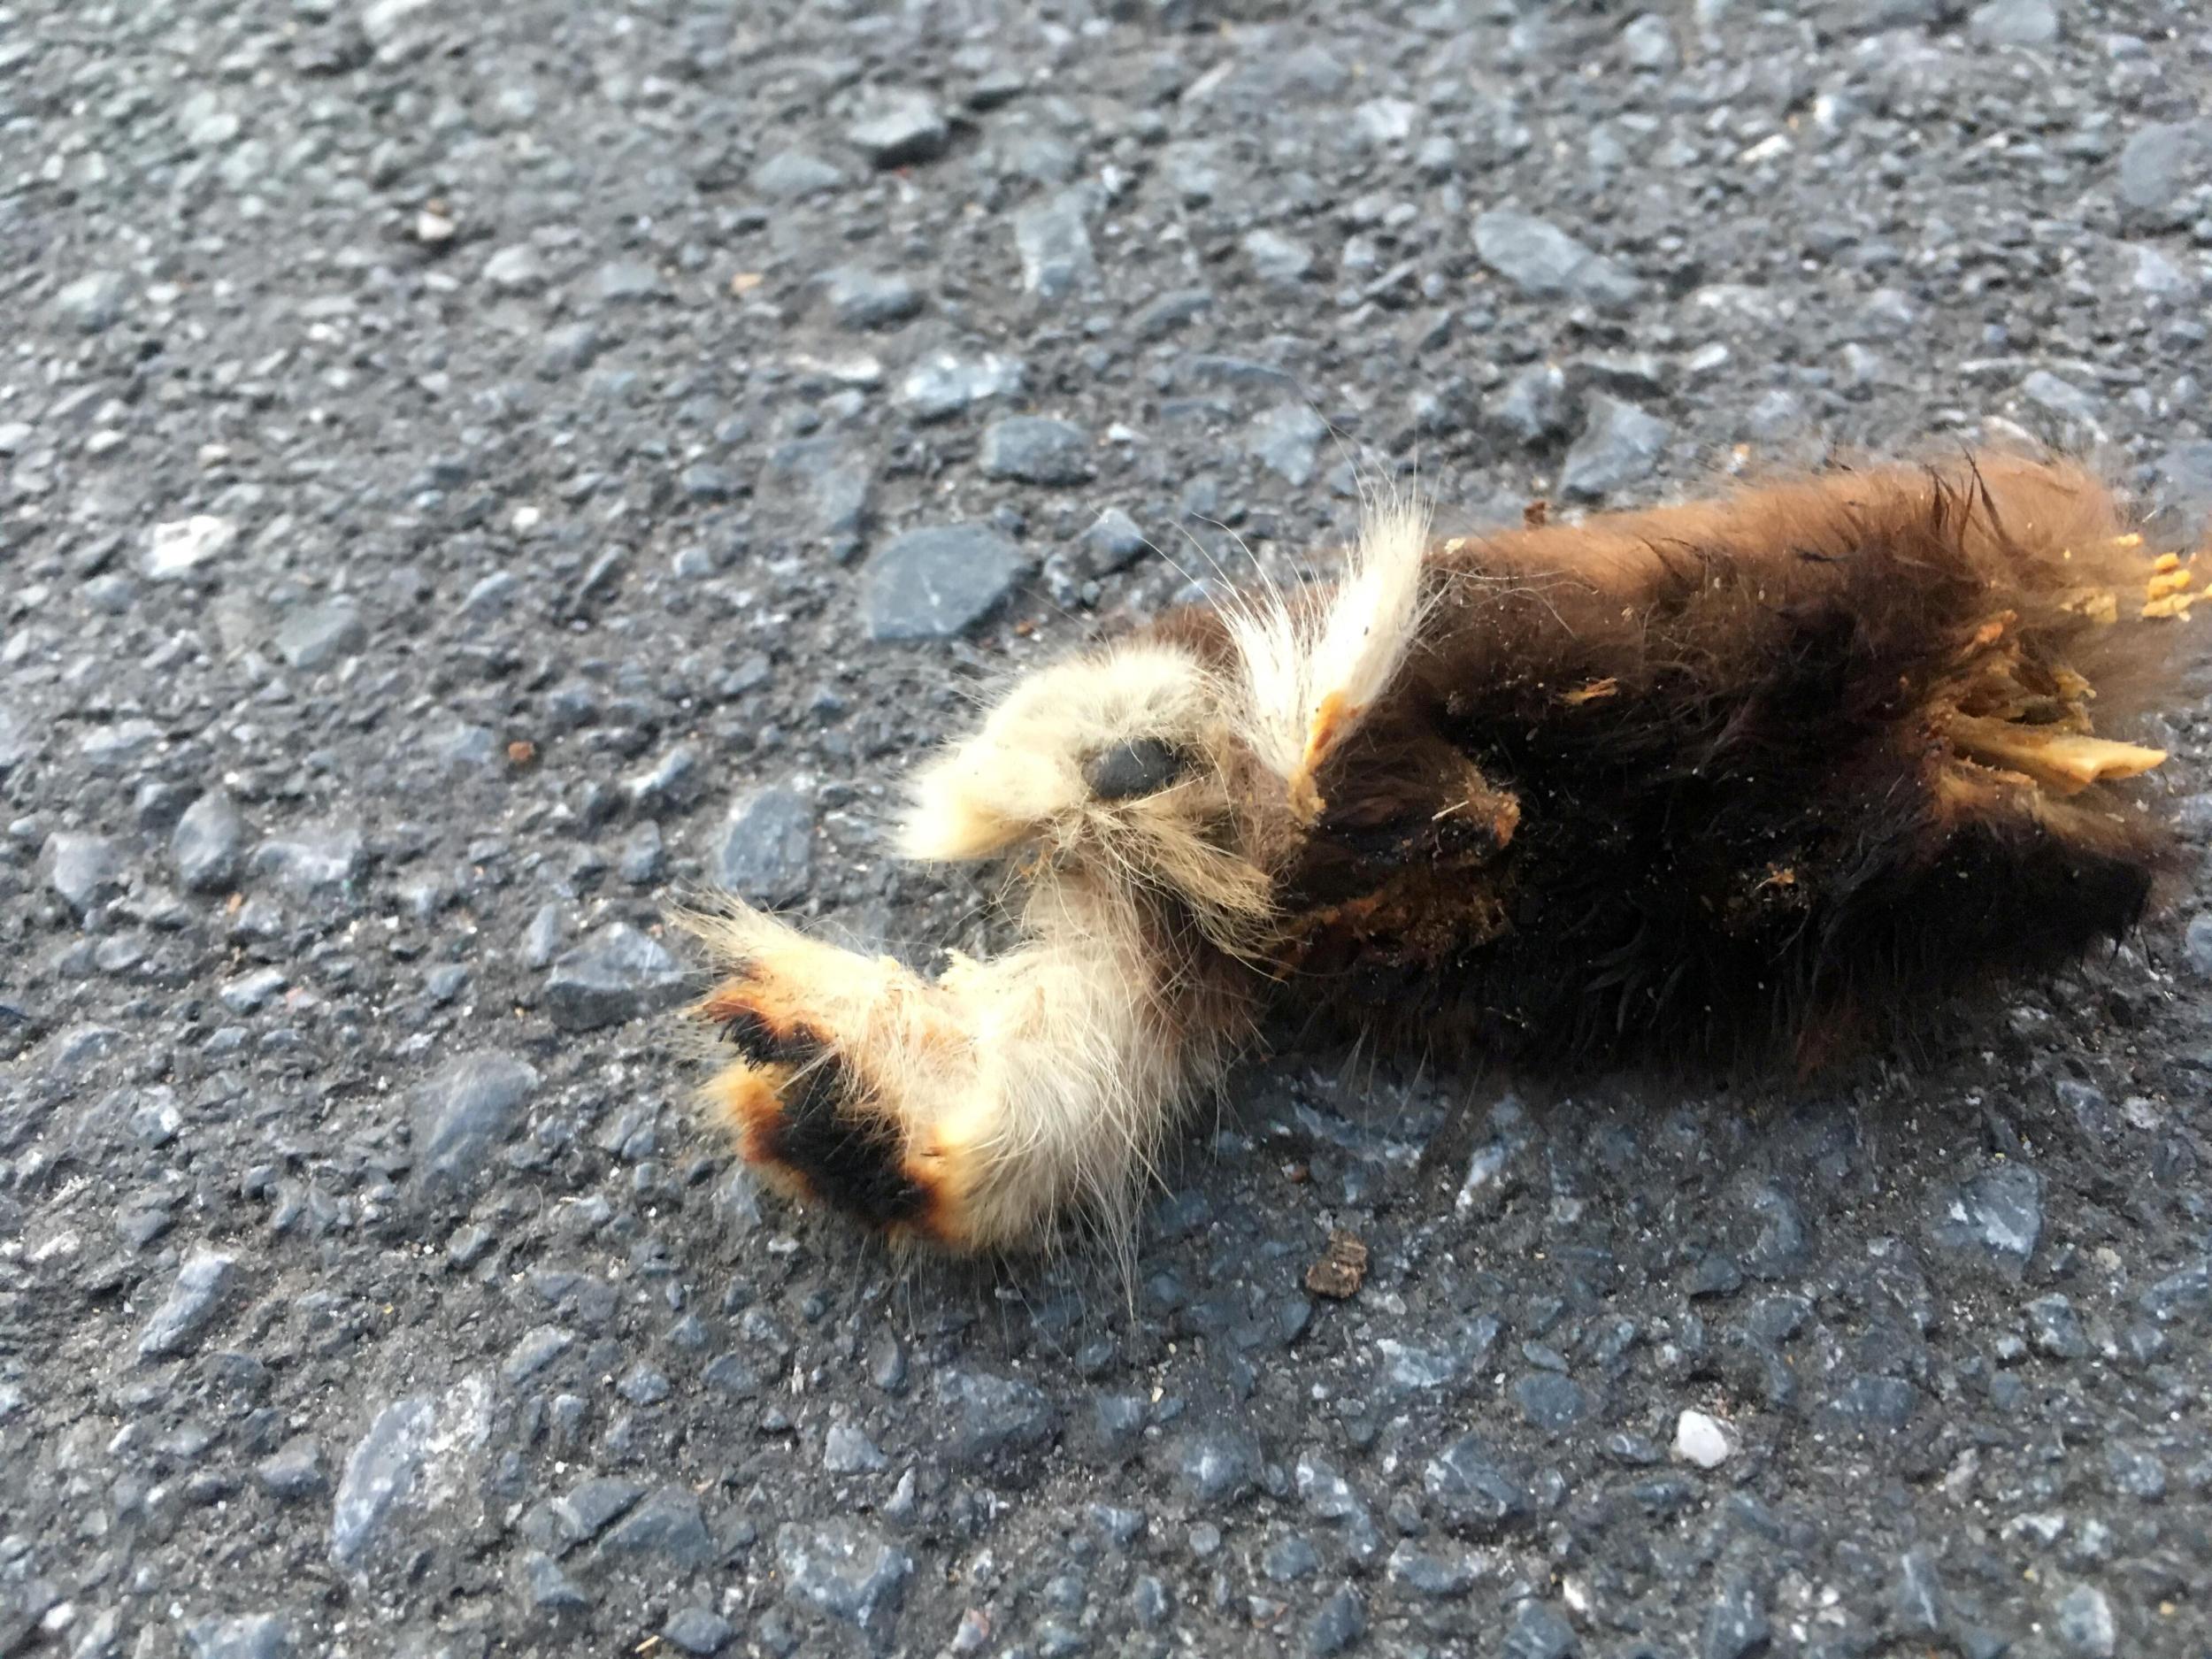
[1042, 1083]
[1018, 782]
[1311, 672]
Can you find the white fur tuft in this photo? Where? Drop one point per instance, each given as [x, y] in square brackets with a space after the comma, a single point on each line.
[1312, 673]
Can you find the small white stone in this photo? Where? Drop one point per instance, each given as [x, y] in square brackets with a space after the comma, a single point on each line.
[1705, 1442]
[184, 544]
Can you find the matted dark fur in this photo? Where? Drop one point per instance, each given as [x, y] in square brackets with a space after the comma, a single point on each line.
[1750, 779]
[1740, 823]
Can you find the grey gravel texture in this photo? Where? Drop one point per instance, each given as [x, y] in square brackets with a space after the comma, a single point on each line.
[470, 476]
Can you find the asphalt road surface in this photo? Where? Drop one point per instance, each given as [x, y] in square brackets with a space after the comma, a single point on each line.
[471, 473]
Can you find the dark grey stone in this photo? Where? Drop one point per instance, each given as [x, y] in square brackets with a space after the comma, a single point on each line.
[547, 1589]
[2086, 1624]
[627, 282]
[1620, 445]
[615, 975]
[120, 746]
[943, 384]
[992, 1422]
[17, 742]
[764, 852]
[1736, 1625]
[666, 1524]
[1278, 260]
[2000, 1210]
[2055, 1329]
[293, 1471]
[1885, 1402]
[1218, 1465]
[846, 1569]
[518, 269]
[1649, 43]
[1287, 440]
[2184, 486]
[1545, 262]
[1919, 1597]
[1533, 407]
[2014, 23]
[462, 1114]
[312, 637]
[95, 302]
[2062, 398]
[2196, 944]
[791, 174]
[1428, 1573]
[313, 861]
[1538, 1632]
[419, 1455]
[698, 1630]
[1340, 1622]
[1473, 1489]
[935, 583]
[1034, 450]
[593, 1505]
[1290, 1558]
[2165, 172]
[569, 349]
[1054, 240]
[205, 845]
[864, 299]
[1551, 1402]
[539, 1347]
[247, 1636]
[898, 126]
[85, 871]
[196, 1297]
[1113, 542]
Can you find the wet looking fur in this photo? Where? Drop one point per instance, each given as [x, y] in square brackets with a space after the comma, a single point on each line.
[1741, 780]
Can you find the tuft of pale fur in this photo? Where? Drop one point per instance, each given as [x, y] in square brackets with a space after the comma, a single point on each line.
[1018, 781]
[1311, 671]
[1022, 771]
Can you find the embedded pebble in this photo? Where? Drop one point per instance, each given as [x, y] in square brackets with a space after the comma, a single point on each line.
[845, 1568]
[862, 299]
[1545, 262]
[1703, 1440]
[790, 175]
[899, 127]
[943, 384]
[764, 852]
[1054, 240]
[195, 1300]
[463, 1113]
[205, 844]
[314, 636]
[938, 582]
[615, 975]
[992, 1421]
[177, 549]
[1036, 450]
[1620, 444]
[85, 871]
[1287, 440]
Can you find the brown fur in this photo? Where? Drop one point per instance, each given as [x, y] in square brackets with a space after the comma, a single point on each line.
[1747, 776]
